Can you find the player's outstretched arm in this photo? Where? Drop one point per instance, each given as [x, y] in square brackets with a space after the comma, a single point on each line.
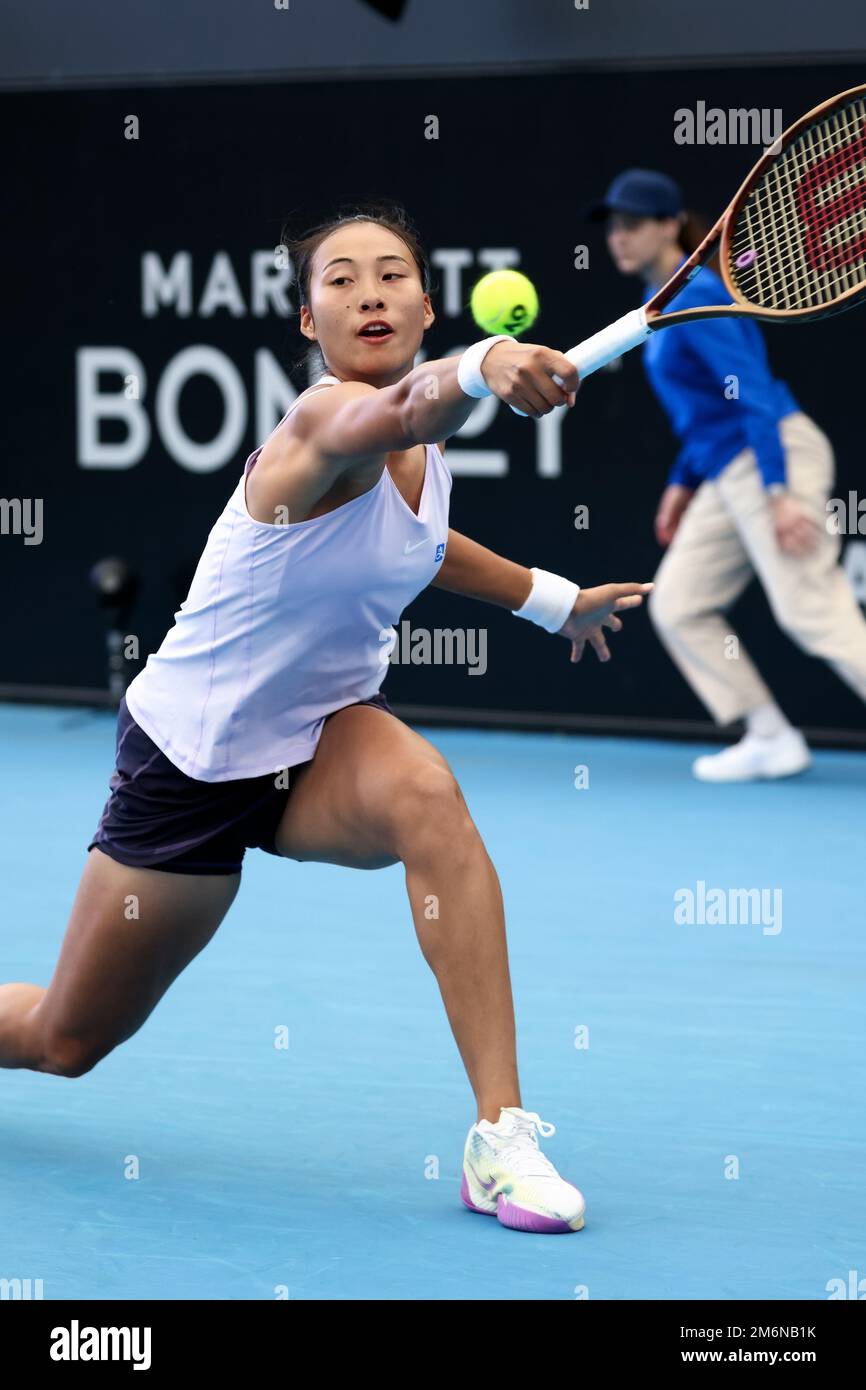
[476, 572]
[579, 615]
[356, 421]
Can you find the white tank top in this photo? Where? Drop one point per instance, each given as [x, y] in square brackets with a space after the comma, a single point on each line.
[284, 624]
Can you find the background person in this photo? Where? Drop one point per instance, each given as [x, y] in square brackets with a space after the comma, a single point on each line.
[746, 496]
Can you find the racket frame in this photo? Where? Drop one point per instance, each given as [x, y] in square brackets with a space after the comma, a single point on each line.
[723, 231]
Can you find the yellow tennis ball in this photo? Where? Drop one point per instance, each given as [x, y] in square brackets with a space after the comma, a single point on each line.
[504, 302]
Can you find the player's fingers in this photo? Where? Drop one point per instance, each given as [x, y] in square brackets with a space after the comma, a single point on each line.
[577, 650]
[632, 601]
[613, 622]
[530, 400]
[599, 645]
[534, 374]
[550, 391]
[623, 590]
[565, 370]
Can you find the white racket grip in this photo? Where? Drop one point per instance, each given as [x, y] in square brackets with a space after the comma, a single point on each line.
[619, 337]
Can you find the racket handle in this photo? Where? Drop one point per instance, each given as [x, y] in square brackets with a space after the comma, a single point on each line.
[619, 337]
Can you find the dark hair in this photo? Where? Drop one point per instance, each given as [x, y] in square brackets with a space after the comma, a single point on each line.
[302, 248]
[693, 229]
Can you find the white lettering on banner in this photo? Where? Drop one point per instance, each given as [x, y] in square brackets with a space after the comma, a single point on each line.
[274, 393]
[451, 260]
[93, 405]
[268, 283]
[222, 290]
[172, 286]
[548, 459]
[477, 463]
[167, 286]
[201, 361]
[498, 257]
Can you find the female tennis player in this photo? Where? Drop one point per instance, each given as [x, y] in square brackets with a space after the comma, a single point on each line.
[274, 666]
[747, 495]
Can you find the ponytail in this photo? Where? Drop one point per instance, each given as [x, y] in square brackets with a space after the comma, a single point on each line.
[693, 228]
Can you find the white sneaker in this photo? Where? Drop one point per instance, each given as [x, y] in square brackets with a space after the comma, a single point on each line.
[506, 1175]
[753, 758]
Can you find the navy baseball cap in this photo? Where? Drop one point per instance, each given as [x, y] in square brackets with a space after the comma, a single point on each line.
[642, 192]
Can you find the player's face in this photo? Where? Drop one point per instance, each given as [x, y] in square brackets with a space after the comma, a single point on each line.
[635, 243]
[362, 273]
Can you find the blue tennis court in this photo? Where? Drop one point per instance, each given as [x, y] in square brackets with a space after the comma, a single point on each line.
[711, 1109]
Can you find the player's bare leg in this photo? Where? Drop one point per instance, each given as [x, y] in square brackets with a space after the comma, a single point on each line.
[376, 794]
[130, 934]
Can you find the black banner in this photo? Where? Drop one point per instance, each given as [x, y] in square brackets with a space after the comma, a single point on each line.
[149, 328]
[118, 1339]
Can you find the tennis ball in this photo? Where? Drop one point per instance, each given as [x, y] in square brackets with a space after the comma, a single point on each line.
[504, 302]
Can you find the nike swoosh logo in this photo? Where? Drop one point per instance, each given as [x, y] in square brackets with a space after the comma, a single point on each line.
[409, 548]
[486, 1185]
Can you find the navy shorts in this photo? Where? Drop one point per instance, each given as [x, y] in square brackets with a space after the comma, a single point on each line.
[159, 818]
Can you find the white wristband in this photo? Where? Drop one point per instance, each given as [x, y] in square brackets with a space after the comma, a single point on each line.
[469, 377]
[550, 601]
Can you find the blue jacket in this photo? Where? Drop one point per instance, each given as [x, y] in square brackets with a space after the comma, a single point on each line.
[713, 380]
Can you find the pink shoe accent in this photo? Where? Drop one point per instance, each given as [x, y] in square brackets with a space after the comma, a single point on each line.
[519, 1219]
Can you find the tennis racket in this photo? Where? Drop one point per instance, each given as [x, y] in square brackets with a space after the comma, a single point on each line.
[792, 240]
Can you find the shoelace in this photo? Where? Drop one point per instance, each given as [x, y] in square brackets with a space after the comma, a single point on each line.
[520, 1151]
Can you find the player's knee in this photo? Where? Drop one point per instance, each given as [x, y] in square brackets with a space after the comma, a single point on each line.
[71, 1057]
[427, 802]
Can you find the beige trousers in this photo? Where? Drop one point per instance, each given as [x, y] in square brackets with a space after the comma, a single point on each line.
[724, 539]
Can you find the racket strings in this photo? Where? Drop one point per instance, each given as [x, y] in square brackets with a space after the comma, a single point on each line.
[796, 273]
[783, 280]
[795, 249]
[834, 210]
[800, 237]
[805, 246]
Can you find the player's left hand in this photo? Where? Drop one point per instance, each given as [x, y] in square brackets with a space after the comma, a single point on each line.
[796, 532]
[595, 610]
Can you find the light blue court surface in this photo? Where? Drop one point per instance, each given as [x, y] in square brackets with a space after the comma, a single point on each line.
[314, 1168]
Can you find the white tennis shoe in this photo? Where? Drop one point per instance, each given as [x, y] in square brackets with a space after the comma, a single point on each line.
[506, 1175]
[754, 758]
